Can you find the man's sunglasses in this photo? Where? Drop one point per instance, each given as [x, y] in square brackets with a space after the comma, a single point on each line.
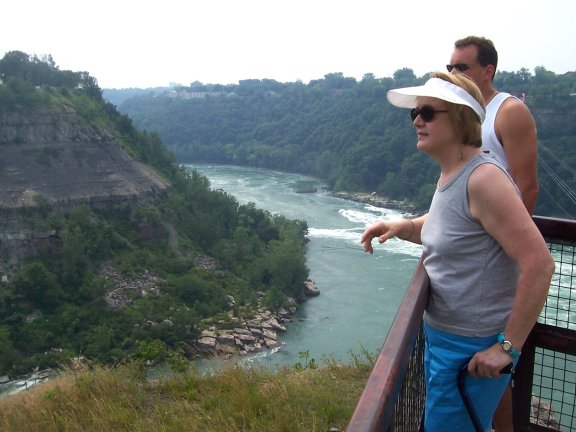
[460, 67]
[426, 113]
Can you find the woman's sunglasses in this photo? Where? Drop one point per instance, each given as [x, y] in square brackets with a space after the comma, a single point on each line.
[426, 113]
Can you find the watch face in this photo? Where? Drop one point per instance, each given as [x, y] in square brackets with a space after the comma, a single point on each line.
[506, 345]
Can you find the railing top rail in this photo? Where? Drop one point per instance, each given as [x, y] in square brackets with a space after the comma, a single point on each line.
[561, 229]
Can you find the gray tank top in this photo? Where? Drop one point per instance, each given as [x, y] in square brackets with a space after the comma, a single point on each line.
[473, 281]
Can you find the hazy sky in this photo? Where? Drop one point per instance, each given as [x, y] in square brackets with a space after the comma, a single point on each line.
[135, 43]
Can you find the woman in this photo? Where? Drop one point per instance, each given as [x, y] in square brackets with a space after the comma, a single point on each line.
[489, 267]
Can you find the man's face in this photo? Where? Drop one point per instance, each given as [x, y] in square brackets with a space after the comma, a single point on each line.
[467, 56]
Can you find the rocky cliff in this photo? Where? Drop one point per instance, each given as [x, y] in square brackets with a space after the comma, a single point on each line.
[53, 156]
[54, 159]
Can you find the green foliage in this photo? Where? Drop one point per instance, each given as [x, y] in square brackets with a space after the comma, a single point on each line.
[340, 130]
[29, 82]
[38, 286]
[55, 300]
[234, 399]
[8, 354]
[153, 350]
[53, 308]
[309, 363]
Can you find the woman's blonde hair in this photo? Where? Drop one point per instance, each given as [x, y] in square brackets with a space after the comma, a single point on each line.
[464, 119]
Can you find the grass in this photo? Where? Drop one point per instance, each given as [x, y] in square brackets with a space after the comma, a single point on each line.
[231, 400]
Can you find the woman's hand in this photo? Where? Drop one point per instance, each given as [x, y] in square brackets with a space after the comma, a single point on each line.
[489, 363]
[382, 230]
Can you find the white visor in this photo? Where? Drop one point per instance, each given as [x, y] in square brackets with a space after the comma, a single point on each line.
[436, 88]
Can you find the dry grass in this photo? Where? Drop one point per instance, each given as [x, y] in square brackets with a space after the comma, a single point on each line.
[234, 399]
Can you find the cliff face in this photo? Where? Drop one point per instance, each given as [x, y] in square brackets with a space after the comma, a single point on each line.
[55, 157]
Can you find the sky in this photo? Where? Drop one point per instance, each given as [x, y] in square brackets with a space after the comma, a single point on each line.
[148, 43]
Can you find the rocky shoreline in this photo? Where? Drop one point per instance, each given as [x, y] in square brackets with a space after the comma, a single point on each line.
[376, 200]
[249, 335]
[225, 338]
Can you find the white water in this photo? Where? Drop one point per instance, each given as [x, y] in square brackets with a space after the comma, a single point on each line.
[360, 293]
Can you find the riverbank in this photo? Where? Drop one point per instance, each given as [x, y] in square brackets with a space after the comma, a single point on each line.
[10, 386]
[377, 201]
[243, 336]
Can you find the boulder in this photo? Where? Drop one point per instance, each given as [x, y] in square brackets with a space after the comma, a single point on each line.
[256, 332]
[270, 343]
[542, 414]
[310, 288]
[225, 351]
[239, 330]
[276, 325]
[226, 339]
[208, 334]
[267, 334]
[207, 343]
[246, 339]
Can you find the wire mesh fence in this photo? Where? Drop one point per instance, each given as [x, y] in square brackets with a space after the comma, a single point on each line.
[544, 384]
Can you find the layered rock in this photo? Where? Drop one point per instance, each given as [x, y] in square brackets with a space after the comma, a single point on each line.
[53, 156]
[53, 159]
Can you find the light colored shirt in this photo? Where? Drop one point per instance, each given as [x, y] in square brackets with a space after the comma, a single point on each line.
[490, 141]
[473, 280]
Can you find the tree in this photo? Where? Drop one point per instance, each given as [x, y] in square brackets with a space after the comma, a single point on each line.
[404, 74]
[8, 354]
[542, 76]
[38, 286]
[14, 64]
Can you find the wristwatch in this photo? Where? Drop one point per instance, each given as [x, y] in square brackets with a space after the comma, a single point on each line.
[507, 346]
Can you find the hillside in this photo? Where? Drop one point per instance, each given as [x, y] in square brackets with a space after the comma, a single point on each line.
[112, 252]
[302, 399]
[346, 133]
[53, 156]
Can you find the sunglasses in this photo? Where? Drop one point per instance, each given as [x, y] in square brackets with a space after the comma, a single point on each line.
[425, 112]
[460, 67]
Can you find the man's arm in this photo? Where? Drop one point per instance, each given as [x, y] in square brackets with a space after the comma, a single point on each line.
[516, 130]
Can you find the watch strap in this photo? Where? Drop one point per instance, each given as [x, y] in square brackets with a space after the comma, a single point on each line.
[507, 346]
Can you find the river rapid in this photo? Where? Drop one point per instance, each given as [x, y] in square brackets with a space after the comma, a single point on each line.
[359, 293]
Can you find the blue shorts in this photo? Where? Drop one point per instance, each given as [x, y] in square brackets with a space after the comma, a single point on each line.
[444, 354]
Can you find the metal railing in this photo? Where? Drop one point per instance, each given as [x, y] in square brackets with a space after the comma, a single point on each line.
[544, 383]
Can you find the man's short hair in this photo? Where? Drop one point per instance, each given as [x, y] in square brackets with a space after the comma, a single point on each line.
[487, 54]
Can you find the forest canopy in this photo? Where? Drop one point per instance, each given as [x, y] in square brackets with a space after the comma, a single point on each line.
[345, 132]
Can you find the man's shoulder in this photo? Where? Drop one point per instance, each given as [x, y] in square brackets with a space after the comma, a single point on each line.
[515, 126]
[514, 109]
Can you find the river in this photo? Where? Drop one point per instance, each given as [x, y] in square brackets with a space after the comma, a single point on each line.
[360, 293]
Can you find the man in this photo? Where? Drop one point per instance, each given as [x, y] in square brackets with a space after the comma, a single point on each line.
[509, 132]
